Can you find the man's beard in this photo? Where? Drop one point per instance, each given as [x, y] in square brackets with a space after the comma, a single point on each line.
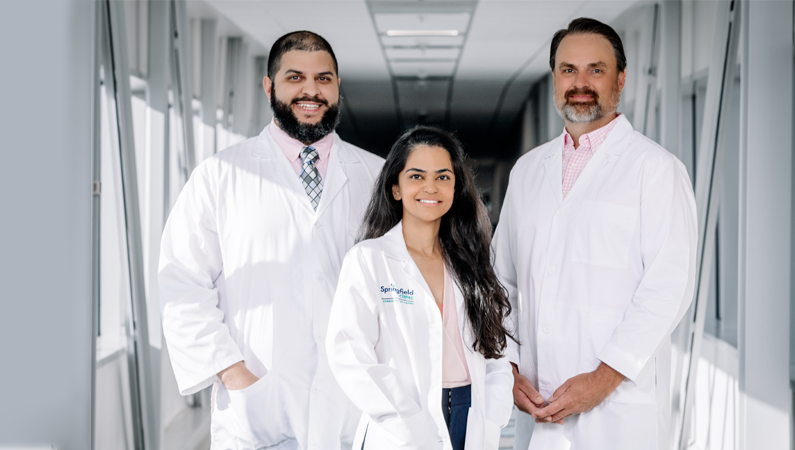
[305, 133]
[586, 112]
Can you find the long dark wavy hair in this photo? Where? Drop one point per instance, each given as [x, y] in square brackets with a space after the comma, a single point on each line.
[465, 236]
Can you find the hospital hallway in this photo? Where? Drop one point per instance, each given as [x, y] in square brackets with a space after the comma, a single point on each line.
[110, 105]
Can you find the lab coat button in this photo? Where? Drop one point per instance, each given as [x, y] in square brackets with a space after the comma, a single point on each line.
[559, 213]
[319, 279]
[551, 271]
[546, 330]
[319, 337]
[315, 390]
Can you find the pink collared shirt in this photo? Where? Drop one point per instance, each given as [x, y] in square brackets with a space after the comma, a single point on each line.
[574, 160]
[455, 372]
[292, 149]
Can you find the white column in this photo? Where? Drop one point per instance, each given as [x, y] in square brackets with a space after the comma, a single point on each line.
[765, 225]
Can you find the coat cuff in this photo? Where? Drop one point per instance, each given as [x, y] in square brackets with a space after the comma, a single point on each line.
[192, 384]
[623, 362]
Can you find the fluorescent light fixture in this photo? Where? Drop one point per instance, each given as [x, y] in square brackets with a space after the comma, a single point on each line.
[422, 33]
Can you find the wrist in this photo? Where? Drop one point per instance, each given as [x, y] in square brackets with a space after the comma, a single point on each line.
[609, 375]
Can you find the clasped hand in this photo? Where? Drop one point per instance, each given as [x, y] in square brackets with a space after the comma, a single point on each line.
[578, 394]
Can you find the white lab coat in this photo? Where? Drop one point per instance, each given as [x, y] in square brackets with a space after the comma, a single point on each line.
[385, 348]
[602, 275]
[248, 271]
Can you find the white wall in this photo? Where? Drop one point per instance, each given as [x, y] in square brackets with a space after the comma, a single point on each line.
[46, 330]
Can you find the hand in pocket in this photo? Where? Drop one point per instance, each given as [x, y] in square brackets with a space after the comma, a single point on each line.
[259, 412]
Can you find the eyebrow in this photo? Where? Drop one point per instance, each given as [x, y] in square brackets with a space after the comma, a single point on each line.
[298, 72]
[572, 66]
[422, 171]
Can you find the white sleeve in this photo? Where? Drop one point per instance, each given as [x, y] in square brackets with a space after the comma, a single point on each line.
[504, 266]
[371, 385]
[499, 399]
[668, 236]
[199, 342]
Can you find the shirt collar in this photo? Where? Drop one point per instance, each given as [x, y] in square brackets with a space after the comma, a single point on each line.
[292, 147]
[590, 141]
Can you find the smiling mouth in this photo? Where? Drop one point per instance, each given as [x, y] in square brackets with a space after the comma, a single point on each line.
[308, 107]
[430, 202]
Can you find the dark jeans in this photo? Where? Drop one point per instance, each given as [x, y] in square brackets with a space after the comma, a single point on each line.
[455, 406]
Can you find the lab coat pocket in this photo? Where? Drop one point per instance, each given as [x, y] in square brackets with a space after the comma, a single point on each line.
[259, 412]
[481, 432]
[603, 234]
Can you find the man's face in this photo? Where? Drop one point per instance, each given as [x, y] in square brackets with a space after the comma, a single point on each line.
[305, 94]
[587, 83]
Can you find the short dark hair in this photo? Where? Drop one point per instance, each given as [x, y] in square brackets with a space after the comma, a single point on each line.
[584, 25]
[298, 40]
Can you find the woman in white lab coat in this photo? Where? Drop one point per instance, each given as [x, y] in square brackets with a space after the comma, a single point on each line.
[416, 333]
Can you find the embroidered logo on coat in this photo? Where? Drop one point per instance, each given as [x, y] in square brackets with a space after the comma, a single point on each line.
[393, 294]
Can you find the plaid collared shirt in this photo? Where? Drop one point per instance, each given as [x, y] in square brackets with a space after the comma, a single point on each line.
[574, 160]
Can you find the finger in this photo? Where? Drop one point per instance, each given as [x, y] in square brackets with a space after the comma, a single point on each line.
[563, 414]
[553, 408]
[560, 391]
[523, 402]
[529, 390]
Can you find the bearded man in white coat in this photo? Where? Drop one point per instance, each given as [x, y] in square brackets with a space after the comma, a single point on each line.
[596, 246]
[250, 258]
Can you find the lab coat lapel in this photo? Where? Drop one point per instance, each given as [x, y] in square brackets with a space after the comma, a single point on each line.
[612, 148]
[280, 169]
[398, 250]
[553, 168]
[339, 158]
[598, 161]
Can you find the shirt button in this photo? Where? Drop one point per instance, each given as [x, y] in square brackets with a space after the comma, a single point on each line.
[551, 271]
[546, 330]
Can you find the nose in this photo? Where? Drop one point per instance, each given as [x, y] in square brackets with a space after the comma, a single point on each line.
[581, 80]
[430, 186]
[310, 87]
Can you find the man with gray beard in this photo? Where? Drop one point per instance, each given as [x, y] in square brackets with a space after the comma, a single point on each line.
[596, 246]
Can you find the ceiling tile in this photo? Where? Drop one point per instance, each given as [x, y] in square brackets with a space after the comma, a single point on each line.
[422, 53]
[456, 21]
[422, 69]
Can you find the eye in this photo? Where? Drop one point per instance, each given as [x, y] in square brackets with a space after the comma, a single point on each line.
[444, 177]
[294, 77]
[415, 176]
[597, 71]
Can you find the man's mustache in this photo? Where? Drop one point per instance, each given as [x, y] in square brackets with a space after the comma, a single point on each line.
[314, 99]
[582, 91]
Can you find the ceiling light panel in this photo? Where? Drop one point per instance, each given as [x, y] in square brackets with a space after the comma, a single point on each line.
[422, 53]
[407, 22]
[424, 41]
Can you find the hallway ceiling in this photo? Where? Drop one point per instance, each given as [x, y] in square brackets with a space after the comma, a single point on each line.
[464, 65]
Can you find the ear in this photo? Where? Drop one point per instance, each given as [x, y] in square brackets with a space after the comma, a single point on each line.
[622, 78]
[396, 192]
[267, 84]
[339, 80]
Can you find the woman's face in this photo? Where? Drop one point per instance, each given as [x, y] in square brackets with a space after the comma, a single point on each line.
[426, 185]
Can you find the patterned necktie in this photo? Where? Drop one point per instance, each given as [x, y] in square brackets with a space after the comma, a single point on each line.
[310, 177]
